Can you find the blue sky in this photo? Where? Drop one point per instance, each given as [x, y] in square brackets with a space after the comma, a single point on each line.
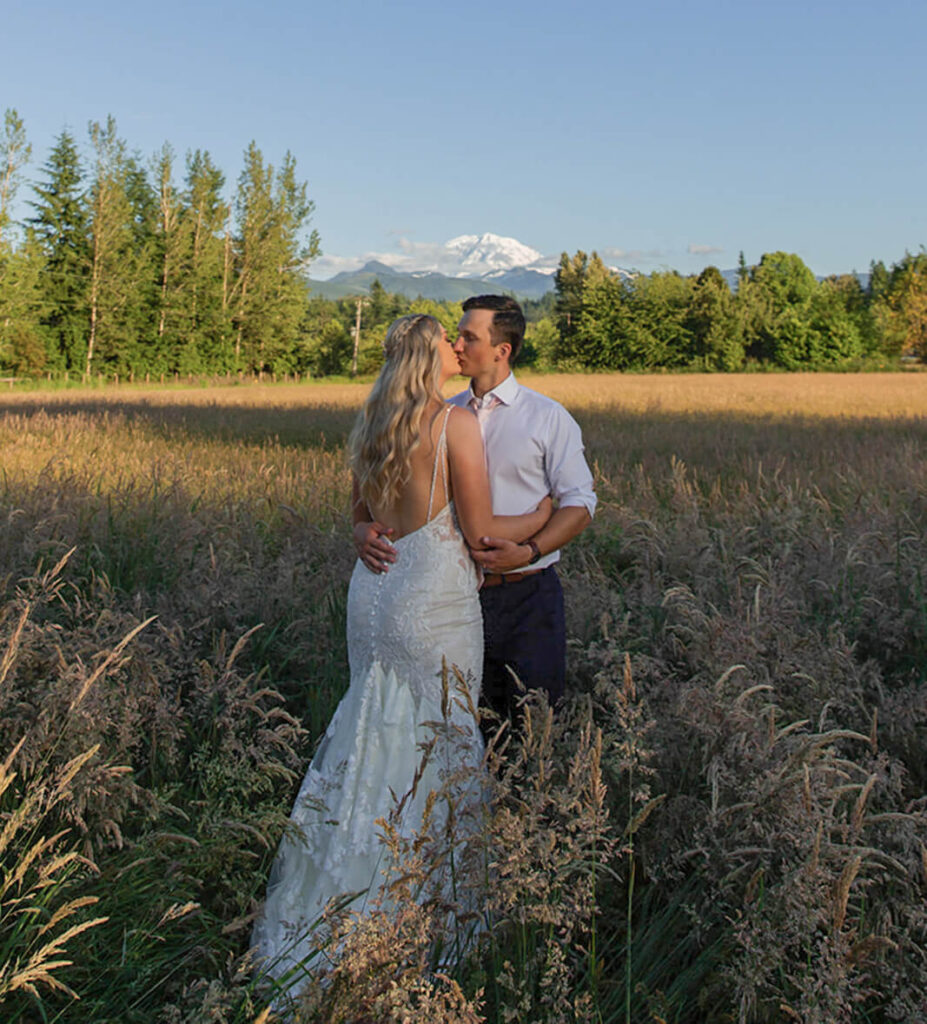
[663, 134]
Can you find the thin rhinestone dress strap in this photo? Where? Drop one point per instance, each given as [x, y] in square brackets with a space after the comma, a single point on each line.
[440, 450]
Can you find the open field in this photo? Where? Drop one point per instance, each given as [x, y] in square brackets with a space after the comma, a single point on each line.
[761, 558]
[813, 394]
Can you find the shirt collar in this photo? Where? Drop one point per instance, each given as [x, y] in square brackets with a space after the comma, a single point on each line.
[504, 392]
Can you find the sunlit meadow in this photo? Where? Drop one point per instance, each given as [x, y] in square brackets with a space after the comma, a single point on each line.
[726, 823]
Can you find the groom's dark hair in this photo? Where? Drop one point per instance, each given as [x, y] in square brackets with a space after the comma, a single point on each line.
[508, 321]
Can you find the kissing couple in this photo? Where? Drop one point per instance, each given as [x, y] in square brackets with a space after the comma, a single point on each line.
[457, 540]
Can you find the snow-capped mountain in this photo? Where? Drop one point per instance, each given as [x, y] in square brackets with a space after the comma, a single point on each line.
[465, 265]
[470, 256]
[478, 255]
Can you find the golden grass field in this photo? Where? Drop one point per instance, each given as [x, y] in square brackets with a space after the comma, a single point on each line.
[748, 629]
[807, 394]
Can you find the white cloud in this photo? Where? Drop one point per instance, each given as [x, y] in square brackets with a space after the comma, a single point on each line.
[324, 267]
[412, 256]
[428, 256]
[327, 266]
[610, 254]
[546, 263]
[703, 250]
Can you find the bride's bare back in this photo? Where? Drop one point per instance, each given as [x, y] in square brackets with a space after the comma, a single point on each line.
[410, 512]
[459, 472]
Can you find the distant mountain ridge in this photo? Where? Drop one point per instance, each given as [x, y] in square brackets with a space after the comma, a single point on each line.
[464, 266]
[429, 284]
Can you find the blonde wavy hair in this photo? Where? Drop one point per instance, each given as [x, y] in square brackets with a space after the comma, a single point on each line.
[388, 427]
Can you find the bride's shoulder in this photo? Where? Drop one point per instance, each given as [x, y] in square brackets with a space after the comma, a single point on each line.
[462, 425]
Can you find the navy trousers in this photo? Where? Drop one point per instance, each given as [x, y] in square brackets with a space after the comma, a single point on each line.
[523, 629]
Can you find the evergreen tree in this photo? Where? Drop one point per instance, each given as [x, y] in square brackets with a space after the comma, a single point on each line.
[879, 281]
[569, 282]
[326, 344]
[715, 330]
[743, 271]
[61, 231]
[331, 353]
[383, 308]
[599, 339]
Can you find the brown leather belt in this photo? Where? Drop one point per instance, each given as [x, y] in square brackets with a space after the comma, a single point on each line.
[498, 579]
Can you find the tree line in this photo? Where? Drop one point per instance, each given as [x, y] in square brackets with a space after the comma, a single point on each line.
[123, 269]
[137, 268]
[777, 315]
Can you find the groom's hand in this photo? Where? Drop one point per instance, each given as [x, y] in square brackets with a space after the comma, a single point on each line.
[373, 546]
[498, 555]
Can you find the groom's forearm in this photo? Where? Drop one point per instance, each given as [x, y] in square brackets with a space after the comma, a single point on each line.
[507, 556]
[561, 528]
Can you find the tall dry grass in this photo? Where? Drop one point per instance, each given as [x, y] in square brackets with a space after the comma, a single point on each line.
[748, 625]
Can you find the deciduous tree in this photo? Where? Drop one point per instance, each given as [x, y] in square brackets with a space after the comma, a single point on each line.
[21, 348]
[273, 254]
[120, 252]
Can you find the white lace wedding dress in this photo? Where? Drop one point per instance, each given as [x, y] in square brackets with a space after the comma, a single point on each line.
[401, 626]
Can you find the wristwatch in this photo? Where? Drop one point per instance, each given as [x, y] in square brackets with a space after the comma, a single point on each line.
[535, 552]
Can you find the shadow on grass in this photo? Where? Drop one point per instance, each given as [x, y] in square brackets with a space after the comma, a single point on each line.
[615, 435]
[310, 426]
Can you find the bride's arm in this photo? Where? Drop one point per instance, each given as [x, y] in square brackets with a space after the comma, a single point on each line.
[375, 552]
[470, 484]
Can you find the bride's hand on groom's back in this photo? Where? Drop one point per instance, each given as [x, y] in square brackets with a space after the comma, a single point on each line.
[371, 541]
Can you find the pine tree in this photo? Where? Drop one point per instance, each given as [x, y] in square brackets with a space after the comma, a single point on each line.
[743, 271]
[61, 233]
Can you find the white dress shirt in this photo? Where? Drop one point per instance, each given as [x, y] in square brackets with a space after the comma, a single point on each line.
[534, 447]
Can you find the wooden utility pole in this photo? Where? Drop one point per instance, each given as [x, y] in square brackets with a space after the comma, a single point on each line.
[357, 329]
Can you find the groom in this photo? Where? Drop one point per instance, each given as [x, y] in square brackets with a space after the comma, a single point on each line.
[533, 448]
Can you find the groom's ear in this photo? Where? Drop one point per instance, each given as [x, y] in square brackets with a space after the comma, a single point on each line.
[503, 351]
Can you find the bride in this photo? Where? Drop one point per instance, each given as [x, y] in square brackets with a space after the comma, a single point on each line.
[419, 469]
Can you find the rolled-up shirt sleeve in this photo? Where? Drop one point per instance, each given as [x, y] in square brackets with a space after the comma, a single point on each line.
[568, 473]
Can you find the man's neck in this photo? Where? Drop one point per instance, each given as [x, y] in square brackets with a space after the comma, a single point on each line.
[487, 381]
